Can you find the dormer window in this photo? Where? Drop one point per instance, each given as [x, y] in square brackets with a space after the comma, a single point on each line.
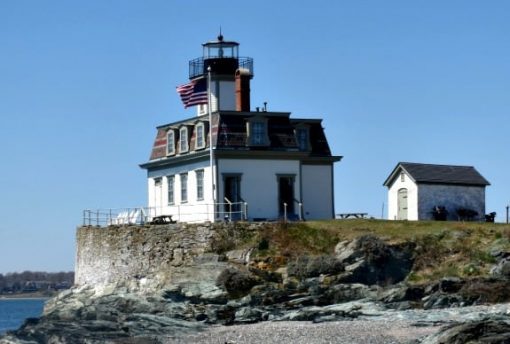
[257, 132]
[303, 138]
[199, 136]
[170, 142]
[183, 140]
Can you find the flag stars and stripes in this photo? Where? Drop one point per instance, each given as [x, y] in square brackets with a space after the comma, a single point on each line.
[193, 93]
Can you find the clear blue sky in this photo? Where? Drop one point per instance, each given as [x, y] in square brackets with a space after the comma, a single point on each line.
[83, 84]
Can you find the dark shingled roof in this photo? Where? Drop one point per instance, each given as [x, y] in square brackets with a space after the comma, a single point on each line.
[439, 174]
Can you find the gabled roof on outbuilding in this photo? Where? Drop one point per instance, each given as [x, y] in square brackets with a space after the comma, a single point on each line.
[438, 174]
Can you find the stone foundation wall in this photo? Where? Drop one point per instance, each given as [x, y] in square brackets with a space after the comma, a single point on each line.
[119, 254]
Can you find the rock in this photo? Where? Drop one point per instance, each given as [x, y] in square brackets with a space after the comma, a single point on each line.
[250, 315]
[369, 260]
[239, 256]
[314, 266]
[484, 331]
[502, 268]
[349, 292]
[450, 284]
[237, 282]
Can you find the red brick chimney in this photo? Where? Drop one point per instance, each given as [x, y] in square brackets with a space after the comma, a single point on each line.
[243, 77]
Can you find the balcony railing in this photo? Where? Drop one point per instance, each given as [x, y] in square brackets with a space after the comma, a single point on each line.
[198, 66]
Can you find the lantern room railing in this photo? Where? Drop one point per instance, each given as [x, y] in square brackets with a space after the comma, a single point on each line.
[198, 66]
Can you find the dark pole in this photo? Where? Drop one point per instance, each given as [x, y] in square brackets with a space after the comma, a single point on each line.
[507, 207]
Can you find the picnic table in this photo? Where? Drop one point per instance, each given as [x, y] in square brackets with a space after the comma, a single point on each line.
[162, 219]
[352, 215]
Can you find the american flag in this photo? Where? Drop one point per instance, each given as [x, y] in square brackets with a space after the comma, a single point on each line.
[193, 93]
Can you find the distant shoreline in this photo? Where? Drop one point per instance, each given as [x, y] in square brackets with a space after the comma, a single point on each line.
[27, 296]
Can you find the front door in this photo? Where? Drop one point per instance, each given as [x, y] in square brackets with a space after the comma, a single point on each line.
[286, 194]
[402, 204]
[232, 194]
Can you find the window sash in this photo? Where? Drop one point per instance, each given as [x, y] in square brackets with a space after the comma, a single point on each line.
[258, 133]
[170, 143]
[184, 187]
[302, 138]
[183, 140]
[200, 136]
[171, 186]
[200, 184]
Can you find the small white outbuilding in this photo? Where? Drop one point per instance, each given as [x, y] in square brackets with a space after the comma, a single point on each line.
[427, 192]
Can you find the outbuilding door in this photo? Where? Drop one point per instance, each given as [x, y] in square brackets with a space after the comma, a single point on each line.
[402, 204]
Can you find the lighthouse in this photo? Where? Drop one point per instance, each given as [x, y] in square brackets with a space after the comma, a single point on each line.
[231, 163]
[228, 76]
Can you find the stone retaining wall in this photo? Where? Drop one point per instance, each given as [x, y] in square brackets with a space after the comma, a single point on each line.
[118, 254]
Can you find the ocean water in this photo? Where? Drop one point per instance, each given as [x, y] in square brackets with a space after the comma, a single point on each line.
[14, 311]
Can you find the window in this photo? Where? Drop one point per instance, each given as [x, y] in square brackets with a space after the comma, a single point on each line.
[201, 109]
[257, 132]
[183, 140]
[171, 184]
[200, 142]
[170, 143]
[302, 138]
[200, 184]
[157, 181]
[184, 187]
[402, 177]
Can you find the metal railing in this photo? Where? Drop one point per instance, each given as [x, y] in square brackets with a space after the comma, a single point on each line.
[198, 66]
[176, 213]
[299, 214]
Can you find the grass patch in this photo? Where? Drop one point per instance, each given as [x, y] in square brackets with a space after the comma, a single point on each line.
[442, 248]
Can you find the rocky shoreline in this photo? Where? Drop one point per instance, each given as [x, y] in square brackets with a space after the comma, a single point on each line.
[358, 293]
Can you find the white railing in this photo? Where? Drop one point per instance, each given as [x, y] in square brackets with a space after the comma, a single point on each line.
[176, 213]
[299, 211]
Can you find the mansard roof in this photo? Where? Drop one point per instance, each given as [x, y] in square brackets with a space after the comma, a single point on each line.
[230, 133]
[438, 174]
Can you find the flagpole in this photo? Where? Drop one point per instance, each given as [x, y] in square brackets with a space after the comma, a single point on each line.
[211, 153]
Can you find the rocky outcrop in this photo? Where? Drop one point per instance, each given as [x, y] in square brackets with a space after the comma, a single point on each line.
[369, 260]
[481, 331]
[171, 294]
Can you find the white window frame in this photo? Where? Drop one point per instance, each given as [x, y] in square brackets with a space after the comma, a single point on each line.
[183, 140]
[171, 189]
[198, 127]
[170, 142]
[184, 187]
[200, 184]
